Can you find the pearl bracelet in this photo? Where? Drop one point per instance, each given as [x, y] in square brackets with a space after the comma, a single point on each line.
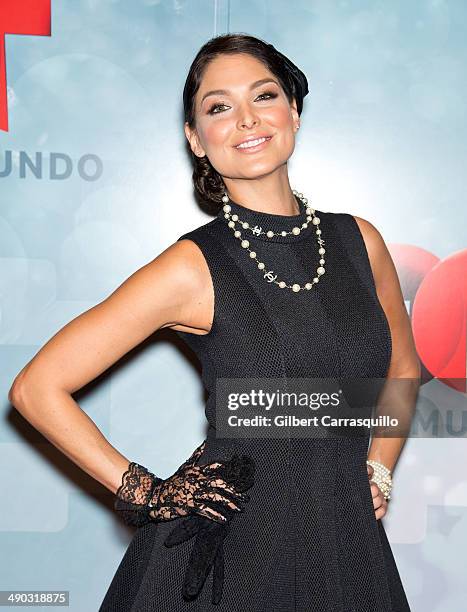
[382, 477]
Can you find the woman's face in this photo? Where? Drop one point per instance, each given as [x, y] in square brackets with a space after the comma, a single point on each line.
[246, 109]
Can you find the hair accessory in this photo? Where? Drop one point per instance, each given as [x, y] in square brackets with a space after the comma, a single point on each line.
[297, 75]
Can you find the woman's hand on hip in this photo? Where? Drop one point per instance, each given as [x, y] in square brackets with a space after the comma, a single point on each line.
[379, 503]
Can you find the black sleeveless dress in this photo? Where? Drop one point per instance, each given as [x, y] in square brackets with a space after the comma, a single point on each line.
[308, 540]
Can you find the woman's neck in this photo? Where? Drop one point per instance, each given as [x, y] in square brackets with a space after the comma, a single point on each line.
[276, 199]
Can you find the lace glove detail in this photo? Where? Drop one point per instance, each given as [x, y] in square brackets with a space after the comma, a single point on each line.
[199, 489]
[208, 548]
[133, 495]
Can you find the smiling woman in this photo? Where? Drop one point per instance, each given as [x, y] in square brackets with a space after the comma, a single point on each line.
[308, 537]
[212, 112]
[271, 288]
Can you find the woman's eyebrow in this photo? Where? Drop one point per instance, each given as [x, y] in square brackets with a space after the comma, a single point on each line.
[225, 92]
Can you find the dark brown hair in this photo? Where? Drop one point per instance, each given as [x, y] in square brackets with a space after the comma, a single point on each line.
[208, 183]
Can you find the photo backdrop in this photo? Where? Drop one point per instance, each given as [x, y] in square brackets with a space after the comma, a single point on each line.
[95, 183]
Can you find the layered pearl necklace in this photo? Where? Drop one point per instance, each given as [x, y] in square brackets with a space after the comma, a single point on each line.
[269, 275]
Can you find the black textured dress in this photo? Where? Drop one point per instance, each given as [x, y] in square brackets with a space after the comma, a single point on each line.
[308, 540]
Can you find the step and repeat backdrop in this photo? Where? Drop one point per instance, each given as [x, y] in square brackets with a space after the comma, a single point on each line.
[95, 183]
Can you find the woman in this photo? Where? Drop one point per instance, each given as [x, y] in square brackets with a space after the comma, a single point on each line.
[269, 288]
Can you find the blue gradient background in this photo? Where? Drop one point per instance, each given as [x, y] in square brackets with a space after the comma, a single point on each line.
[383, 137]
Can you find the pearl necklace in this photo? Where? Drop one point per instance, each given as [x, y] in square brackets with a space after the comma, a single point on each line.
[269, 276]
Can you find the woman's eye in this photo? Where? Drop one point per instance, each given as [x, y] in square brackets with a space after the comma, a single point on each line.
[212, 110]
[271, 94]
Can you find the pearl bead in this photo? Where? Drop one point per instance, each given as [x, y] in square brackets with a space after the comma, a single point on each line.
[270, 234]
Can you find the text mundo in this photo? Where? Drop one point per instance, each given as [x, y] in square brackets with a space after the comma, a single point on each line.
[266, 400]
[60, 166]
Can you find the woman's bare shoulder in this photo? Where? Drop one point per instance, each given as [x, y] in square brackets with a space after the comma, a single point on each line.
[184, 263]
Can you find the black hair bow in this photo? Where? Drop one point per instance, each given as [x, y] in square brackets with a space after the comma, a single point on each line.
[297, 75]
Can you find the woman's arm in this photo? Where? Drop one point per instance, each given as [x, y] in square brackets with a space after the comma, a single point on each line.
[169, 291]
[401, 389]
[405, 364]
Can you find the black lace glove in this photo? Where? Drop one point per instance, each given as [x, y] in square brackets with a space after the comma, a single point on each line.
[208, 548]
[143, 497]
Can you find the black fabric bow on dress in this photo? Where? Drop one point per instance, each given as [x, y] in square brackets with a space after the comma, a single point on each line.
[208, 548]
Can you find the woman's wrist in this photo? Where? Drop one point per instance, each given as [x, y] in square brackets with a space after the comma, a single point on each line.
[133, 497]
[382, 477]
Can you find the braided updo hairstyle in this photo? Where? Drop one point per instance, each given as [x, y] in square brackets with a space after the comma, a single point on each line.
[208, 183]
